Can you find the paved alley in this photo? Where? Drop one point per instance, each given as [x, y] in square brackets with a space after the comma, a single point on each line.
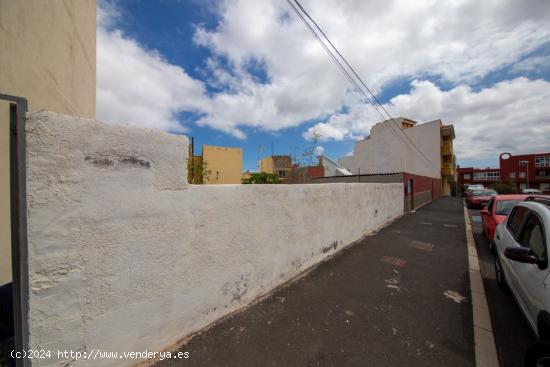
[399, 297]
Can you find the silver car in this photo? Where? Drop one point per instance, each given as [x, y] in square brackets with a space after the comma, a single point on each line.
[521, 266]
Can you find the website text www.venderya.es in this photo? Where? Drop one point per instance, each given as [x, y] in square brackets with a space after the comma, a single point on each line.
[97, 354]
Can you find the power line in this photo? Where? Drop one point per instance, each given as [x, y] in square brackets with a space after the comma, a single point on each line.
[397, 131]
[343, 58]
[340, 66]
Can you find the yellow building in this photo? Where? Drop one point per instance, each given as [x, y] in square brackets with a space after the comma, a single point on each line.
[48, 56]
[281, 165]
[448, 162]
[221, 165]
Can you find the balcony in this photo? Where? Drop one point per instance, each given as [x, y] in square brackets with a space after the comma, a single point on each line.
[447, 147]
[447, 169]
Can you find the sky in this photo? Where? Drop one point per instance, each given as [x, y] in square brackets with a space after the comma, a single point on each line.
[249, 74]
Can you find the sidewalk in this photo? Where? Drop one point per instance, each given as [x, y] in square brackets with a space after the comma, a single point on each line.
[400, 297]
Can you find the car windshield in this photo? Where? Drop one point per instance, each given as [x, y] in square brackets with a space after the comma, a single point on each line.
[484, 193]
[504, 207]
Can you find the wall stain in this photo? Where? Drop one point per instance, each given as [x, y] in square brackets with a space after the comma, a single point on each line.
[332, 246]
[237, 289]
[109, 162]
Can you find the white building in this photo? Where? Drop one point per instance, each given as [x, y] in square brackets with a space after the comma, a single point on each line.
[403, 145]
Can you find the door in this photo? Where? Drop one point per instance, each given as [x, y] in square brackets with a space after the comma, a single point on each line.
[487, 219]
[530, 277]
[411, 192]
[514, 225]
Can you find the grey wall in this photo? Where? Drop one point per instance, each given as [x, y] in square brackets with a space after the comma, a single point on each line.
[389, 178]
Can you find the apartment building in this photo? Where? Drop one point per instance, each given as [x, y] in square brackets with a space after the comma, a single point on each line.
[524, 171]
[216, 166]
[280, 165]
[421, 155]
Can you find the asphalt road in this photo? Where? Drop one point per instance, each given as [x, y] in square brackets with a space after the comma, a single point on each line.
[512, 333]
[400, 297]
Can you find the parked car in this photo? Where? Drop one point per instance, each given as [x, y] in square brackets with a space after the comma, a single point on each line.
[479, 198]
[521, 266]
[495, 212]
[532, 192]
[471, 187]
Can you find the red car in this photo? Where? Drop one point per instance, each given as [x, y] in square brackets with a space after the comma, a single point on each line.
[495, 212]
[479, 198]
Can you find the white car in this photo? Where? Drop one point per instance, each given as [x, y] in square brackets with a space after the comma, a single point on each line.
[532, 192]
[521, 265]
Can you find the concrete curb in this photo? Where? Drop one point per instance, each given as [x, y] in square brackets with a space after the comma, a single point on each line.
[484, 339]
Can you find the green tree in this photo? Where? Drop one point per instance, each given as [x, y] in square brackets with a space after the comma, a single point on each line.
[262, 178]
[504, 187]
[197, 171]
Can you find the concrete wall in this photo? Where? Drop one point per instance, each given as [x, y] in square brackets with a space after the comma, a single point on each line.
[47, 55]
[225, 165]
[384, 151]
[389, 178]
[126, 256]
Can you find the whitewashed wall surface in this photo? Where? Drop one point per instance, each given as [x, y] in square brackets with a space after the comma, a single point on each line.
[125, 256]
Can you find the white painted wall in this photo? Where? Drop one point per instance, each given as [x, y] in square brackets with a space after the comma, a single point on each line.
[126, 256]
[385, 152]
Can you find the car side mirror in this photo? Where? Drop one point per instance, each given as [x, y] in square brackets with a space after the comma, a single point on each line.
[485, 211]
[521, 254]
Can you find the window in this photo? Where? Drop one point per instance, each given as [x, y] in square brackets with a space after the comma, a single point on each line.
[282, 174]
[532, 236]
[522, 186]
[542, 161]
[516, 218]
[504, 207]
[487, 176]
[490, 206]
[522, 174]
[512, 175]
[545, 186]
[467, 176]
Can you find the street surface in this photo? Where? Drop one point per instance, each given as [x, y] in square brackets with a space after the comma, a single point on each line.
[512, 333]
[399, 297]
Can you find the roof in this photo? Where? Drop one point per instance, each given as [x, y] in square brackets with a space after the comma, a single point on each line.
[448, 130]
[510, 197]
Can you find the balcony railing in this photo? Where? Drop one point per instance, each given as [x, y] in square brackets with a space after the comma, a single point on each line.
[447, 169]
[447, 148]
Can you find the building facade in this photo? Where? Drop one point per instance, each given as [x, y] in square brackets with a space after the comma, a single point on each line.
[48, 56]
[404, 146]
[221, 165]
[526, 171]
[280, 165]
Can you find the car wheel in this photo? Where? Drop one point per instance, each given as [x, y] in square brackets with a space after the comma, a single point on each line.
[538, 355]
[501, 279]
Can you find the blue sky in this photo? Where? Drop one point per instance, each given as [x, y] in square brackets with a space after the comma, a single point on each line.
[248, 74]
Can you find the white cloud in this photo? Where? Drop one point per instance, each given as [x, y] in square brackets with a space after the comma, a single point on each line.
[533, 64]
[457, 41]
[511, 116]
[319, 150]
[138, 86]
